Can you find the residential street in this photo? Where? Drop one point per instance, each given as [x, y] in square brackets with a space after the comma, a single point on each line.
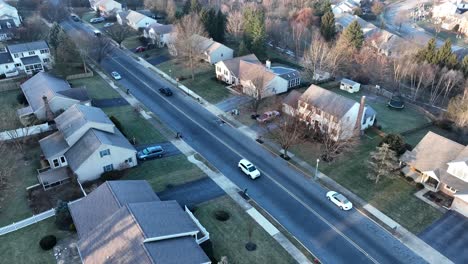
[298, 204]
[407, 30]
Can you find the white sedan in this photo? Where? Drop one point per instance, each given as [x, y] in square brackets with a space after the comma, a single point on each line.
[249, 169]
[339, 200]
[116, 75]
[108, 25]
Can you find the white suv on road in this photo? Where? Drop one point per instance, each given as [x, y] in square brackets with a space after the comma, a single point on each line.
[249, 169]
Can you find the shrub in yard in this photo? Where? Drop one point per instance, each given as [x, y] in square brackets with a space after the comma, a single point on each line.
[221, 215]
[21, 99]
[63, 218]
[48, 242]
[444, 124]
[419, 186]
[409, 179]
[396, 143]
[112, 175]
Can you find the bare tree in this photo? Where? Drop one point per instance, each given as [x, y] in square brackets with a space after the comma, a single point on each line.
[382, 163]
[189, 40]
[33, 29]
[171, 10]
[287, 130]
[457, 109]
[54, 11]
[256, 88]
[443, 85]
[335, 141]
[235, 25]
[119, 33]
[320, 57]
[94, 47]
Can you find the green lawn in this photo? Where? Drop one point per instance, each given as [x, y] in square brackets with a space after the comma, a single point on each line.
[97, 87]
[391, 120]
[13, 199]
[160, 173]
[22, 246]
[134, 126]
[132, 42]
[8, 107]
[229, 237]
[204, 84]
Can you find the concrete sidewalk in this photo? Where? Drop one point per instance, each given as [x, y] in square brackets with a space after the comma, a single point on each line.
[406, 237]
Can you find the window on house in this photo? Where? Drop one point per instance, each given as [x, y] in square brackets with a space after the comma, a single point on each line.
[104, 152]
[109, 167]
[44, 51]
[56, 163]
[63, 160]
[46, 60]
[6, 66]
[16, 55]
[451, 189]
[32, 52]
[129, 160]
[17, 64]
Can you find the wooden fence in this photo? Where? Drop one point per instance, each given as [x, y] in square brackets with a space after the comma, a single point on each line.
[80, 75]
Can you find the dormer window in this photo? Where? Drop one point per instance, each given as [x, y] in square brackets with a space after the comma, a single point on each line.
[451, 189]
[8, 25]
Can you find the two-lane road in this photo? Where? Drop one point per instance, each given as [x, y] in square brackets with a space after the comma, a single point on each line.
[298, 204]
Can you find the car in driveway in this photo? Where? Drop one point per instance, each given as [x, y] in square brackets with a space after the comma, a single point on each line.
[339, 200]
[166, 91]
[106, 25]
[155, 151]
[140, 49]
[249, 169]
[267, 116]
[116, 75]
[75, 18]
[96, 20]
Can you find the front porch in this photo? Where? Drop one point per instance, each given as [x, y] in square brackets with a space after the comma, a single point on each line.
[429, 182]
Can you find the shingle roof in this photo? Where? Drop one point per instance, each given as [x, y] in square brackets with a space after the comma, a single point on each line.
[252, 71]
[23, 47]
[346, 19]
[42, 84]
[106, 200]
[161, 29]
[5, 58]
[78, 93]
[327, 101]
[432, 152]
[31, 60]
[79, 115]
[115, 219]
[207, 45]
[90, 142]
[292, 98]
[4, 26]
[233, 65]
[53, 144]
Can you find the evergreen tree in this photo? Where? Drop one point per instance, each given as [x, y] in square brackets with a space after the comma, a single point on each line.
[353, 35]
[195, 6]
[53, 36]
[186, 8]
[443, 54]
[427, 53]
[242, 49]
[221, 21]
[382, 163]
[464, 65]
[67, 51]
[322, 7]
[327, 27]
[396, 143]
[254, 30]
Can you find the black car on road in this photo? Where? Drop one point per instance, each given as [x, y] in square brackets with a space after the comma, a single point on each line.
[166, 91]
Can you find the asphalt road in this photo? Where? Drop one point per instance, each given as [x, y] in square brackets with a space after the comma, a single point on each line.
[297, 203]
[449, 235]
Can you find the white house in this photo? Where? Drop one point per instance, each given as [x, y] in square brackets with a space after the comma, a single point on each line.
[9, 12]
[106, 7]
[158, 34]
[31, 57]
[329, 112]
[134, 19]
[228, 70]
[7, 65]
[349, 85]
[346, 6]
[211, 50]
[48, 95]
[86, 144]
[441, 165]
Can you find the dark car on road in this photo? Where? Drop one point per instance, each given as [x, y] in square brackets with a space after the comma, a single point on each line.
[150, 152]
[166, 91]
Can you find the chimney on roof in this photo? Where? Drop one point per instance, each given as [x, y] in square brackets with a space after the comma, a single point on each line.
[268, 64]
[357, 128]
[48, 112]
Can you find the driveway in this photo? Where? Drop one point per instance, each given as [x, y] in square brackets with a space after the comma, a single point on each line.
[193, 193]
[158, 60]
[169, 148]
[449, 235]
[233, 102]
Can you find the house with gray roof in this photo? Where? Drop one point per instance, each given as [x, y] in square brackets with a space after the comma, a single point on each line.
[328, 111]
[31, 57]
[48, 95]
[9, 12]
[87, 143]
[441, 165]
[134, 19]
[126, 222]
[7, 29]
[158, 34]
[7, 66]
